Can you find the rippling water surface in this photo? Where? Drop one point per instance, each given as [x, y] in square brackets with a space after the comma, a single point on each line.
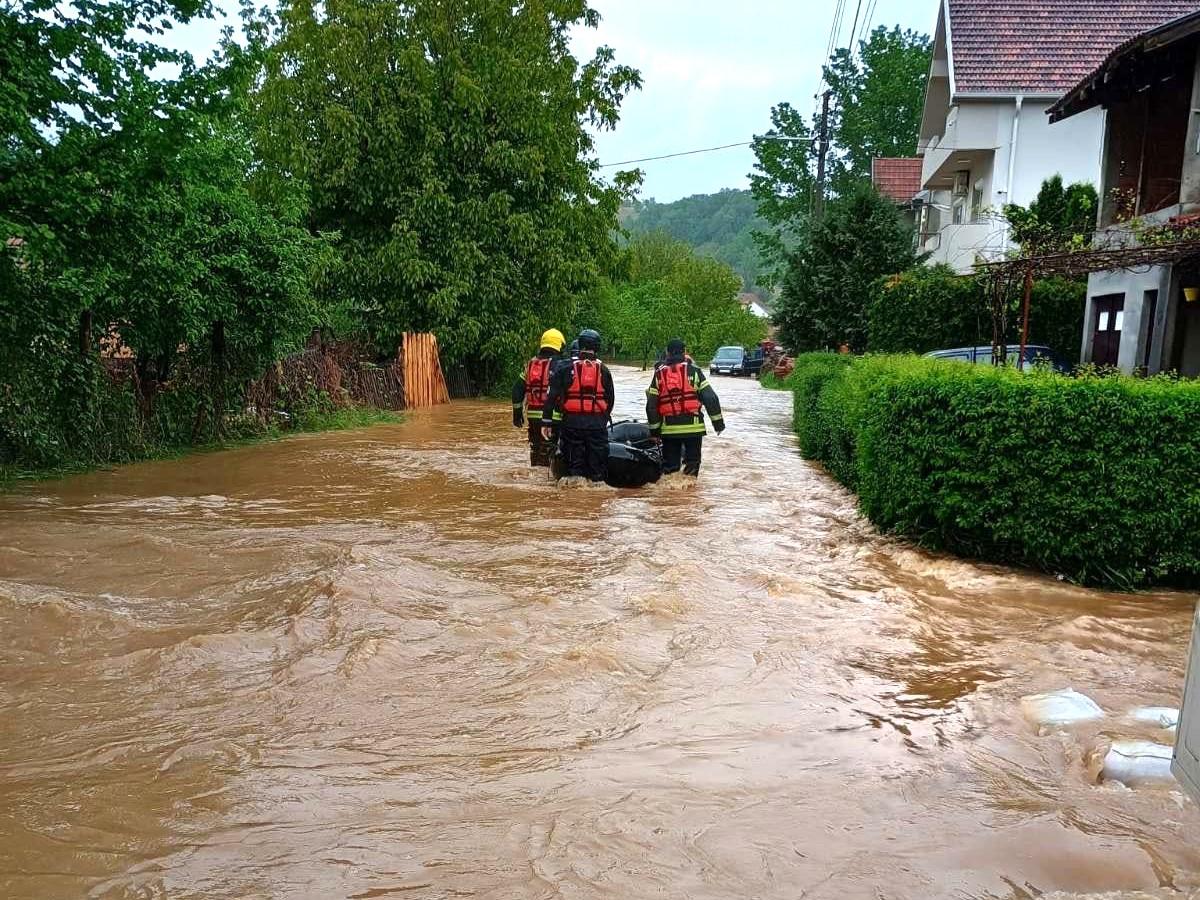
[398, 663]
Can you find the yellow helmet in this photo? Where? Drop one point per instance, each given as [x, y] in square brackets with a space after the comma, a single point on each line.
[553, 338]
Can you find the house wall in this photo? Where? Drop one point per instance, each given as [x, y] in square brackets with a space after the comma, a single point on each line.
[1071, 148]
[978, 137]
[1137, 330]
[1190, 187]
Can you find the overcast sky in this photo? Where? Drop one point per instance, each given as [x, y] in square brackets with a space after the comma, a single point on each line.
[712, 70]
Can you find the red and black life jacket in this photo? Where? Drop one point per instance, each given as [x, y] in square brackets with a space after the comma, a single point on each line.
[537, 381]
[677, 395]
[585, 396]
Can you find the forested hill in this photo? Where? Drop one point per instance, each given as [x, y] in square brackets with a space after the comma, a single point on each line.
[717, 225]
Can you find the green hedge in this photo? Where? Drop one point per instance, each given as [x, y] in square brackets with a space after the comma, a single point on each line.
[933, 308]
[1094, 478]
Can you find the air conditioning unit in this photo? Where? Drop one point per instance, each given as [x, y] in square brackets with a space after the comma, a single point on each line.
[962, 182]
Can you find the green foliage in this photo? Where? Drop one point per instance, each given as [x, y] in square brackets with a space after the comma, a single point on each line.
[447, 144]
[1090, 477]
[927, 308]
[877, 103]
[1059, 219]
[933, 308]
[833, 273]
[720, 225]
[664, 290]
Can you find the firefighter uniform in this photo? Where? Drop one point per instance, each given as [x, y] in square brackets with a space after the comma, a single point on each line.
[529, 397]
[583, 392]
[676, 401]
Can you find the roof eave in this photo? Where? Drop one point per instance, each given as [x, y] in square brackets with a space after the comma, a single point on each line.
[1084, 95]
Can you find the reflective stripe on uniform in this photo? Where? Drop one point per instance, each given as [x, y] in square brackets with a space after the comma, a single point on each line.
[534, 415]
[696, 427]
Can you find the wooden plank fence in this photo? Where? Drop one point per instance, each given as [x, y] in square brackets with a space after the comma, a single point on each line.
[424, 382]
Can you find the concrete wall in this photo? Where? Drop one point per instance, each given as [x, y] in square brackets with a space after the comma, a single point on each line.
[1072, 149]
[1136, 330]
[1189, 193]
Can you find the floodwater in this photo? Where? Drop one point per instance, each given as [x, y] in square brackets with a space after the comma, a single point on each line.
[396, 663]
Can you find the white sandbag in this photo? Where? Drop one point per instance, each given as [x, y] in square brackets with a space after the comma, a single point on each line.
[1138, 762]
[1066, 707]
[1165, 717]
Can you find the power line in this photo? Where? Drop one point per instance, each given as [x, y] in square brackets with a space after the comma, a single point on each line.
[870, 17]
[765, 137]
[854, 27]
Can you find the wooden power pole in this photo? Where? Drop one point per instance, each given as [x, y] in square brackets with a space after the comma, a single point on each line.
[822, 153]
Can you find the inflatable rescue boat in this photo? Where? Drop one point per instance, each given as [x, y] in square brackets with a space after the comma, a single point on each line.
[634, 458]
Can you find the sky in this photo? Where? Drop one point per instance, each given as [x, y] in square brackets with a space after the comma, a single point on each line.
[711, 71]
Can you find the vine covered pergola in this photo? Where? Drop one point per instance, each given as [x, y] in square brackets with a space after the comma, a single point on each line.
[1003, 276]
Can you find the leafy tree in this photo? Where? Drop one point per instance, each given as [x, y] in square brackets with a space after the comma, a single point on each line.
[878, 95]
[832, 273]
[782, 184]
[1060, 218]
[447, 142]
[877, 103]
[664, 290]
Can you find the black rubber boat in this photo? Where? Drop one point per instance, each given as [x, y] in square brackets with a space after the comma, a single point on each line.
[634, 459]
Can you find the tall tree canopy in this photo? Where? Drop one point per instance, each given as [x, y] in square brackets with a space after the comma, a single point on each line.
[831, 275]
[447, 142]
[877, 96]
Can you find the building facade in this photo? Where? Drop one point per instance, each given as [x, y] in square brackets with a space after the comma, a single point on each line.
[986, 140]
[1139, 318]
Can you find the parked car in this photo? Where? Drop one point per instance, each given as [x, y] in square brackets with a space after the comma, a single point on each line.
[1035, 354]
[728, 361]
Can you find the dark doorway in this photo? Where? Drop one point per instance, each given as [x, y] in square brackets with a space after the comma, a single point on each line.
[1149, 313]
[1108, 317]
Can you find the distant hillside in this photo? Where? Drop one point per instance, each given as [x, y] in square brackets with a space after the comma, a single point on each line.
[717, 225]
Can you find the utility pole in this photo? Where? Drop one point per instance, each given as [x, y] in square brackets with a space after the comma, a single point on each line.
[822, 153]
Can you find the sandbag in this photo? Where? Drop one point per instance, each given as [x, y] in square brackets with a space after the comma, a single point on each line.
[1060, 708]
[1137, 762]
[1165, 717]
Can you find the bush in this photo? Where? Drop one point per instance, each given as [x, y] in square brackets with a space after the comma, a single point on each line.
[1092, 478]
[933, 308]
[927, 308]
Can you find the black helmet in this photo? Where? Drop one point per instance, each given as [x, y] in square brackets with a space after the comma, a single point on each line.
[589, 339]
[575, 347]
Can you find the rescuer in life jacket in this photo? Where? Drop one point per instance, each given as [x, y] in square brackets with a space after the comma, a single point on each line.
[676, 400]
[529, 396]
[584, 392]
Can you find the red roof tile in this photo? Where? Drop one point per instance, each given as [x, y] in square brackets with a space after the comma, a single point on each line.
[897, 177]
[1044, 46]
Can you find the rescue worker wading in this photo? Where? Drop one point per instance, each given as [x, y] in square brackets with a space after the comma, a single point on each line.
[676, 400]
[529, 397]
[583, 391]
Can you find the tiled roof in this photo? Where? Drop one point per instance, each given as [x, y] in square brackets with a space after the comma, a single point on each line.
[898, 178]
[1044, 46]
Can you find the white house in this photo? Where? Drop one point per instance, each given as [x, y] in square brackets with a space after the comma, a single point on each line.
[754, 305]
[998, 66]
[1140, 316]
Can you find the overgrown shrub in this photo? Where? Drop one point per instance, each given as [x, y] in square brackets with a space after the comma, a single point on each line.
[934, 308]
[927, 308]
[1091, 477]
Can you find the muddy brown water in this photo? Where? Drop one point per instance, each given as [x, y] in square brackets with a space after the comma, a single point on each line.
[396, 663]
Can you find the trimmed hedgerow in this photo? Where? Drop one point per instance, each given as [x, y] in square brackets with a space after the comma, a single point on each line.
[1095, 478]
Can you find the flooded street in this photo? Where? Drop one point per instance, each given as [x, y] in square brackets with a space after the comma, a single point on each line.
[397, 663]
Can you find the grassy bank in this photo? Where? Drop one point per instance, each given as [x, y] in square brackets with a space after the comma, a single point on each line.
[1092, 478]
[304, 422]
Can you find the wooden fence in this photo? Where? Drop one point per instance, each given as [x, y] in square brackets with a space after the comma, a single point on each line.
[424, 383]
